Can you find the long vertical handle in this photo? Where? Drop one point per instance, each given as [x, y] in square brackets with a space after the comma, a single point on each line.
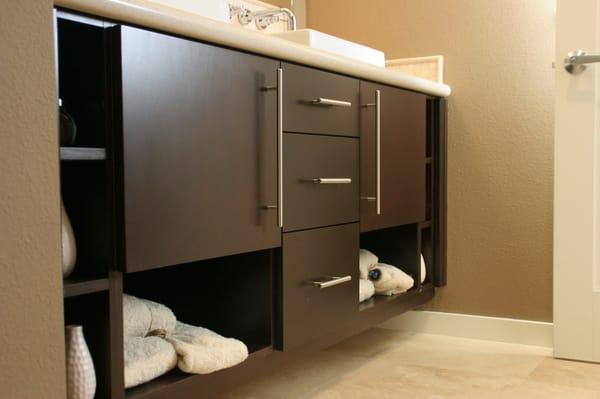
[280, 145]
[378, 145]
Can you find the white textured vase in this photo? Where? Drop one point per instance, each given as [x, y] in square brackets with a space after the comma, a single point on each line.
[81, 377]
[69, 249]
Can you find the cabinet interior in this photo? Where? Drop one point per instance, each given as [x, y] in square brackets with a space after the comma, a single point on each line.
[91, 311]
[231, 296]
[86, 201]
[83, 78]
[396, 246]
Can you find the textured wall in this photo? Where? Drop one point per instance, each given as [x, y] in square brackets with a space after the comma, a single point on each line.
[31, 338]
[498, 57]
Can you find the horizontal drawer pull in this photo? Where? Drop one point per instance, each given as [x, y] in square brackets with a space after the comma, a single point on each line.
[331, 103]
[329, 180]
[333, 281]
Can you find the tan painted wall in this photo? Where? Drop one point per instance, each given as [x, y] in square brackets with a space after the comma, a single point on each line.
[498, 57]
[31, 337]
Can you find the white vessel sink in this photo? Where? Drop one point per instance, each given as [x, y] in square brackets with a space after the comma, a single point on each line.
[335, 45]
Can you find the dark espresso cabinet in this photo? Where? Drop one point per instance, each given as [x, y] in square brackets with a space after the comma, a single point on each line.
[393, 155]
[238, 190]
[199, 150]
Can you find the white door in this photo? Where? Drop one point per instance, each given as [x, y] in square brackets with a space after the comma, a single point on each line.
[577, 184]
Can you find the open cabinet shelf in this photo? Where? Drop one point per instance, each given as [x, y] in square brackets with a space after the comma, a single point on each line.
[381, 303]
[81, 287]
[171, 384]
[82, 154]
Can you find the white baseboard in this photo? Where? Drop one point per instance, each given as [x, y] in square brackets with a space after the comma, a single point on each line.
[525, 332]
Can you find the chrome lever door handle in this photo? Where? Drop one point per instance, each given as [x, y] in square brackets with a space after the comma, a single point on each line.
[330, 102]
[332, 282]
[576, 60]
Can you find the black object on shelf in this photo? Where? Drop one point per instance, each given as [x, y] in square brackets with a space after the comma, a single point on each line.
[68, 127]
[82, 154]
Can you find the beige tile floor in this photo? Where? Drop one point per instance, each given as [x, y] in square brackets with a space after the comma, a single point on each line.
[386, 364]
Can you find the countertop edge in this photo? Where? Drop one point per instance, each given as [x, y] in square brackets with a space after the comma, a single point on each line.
[171, 20]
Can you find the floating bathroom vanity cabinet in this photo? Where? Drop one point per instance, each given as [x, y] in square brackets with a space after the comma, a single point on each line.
[237, 189]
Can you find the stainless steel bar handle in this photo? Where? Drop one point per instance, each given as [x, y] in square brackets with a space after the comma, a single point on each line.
[331, 103]
[331, 180]
[378, 145]
[280, 145]
[576, 60]
[332, 282]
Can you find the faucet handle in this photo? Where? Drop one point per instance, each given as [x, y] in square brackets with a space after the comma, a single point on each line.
[243, 14]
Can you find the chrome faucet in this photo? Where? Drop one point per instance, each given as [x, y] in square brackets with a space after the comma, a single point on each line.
[263, 18]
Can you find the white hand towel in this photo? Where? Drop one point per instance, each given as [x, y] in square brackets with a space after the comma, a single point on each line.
[366, 260]
[366, 289]
[202, 351]
[147, 358]
[391, 280]
[141, 316]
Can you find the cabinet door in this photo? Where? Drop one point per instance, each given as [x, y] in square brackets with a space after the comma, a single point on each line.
[199, 150]
[401, 158]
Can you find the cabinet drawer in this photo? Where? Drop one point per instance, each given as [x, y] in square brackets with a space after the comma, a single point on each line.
[310, 202]
[306, 102]
[317, 256]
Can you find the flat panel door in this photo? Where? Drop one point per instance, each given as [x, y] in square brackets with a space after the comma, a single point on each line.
[199, 151]
[403, 118]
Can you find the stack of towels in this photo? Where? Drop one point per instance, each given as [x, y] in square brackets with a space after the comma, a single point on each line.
[155, 343]
[382, 279]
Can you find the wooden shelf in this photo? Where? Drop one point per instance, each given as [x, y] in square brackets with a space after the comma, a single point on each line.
[381, 302]
[82, 154]
[171, 384]
[425, 225]
[81, 287]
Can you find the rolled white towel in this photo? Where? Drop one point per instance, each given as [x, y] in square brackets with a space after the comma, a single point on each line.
[141, 316]
[366, 260]
[366, 289]
[147, 358]
[389, 280]
[423, 269]
[202, 351]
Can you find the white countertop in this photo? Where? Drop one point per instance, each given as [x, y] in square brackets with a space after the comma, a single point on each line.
[166, 19]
